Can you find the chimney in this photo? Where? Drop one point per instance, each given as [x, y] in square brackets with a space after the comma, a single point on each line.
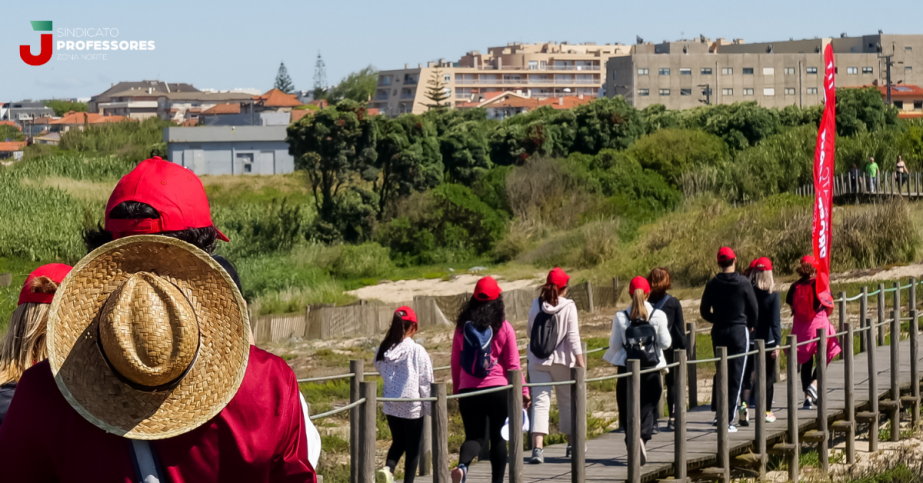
[579, 96]
[560, 101]
[499, 63]
[406, 66]
[112, 84]
[150, 90]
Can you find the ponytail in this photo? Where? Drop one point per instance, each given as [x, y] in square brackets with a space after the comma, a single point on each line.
[550, 294]
[395, 335]
[638, 309]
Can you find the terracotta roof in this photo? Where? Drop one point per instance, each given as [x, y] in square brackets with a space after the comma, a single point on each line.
[86, 118]
[12, 146]
[190, 123]
[42, 120]
[222, 109]
[10, 123]
[298, 114]
[910, 115]
[373, 111]
[511, 99]
[902, 90]
[321, 103]
[277, 98]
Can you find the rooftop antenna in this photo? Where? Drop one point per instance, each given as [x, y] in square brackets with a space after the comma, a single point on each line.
[880, 32]
[639, 40]
[843, 35]
[769, 49]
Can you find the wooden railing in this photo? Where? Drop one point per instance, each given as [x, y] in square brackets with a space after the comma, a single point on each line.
[885, 184]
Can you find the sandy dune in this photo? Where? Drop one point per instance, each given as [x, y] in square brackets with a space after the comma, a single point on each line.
[405, 290]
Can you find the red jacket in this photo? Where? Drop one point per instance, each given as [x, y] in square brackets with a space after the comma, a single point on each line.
[258, 437]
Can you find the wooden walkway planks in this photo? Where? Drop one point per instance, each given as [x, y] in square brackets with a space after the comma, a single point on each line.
[606, 455]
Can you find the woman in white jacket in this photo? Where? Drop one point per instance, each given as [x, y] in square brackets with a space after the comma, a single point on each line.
[651, 387]
[567, 353]
[407, 372]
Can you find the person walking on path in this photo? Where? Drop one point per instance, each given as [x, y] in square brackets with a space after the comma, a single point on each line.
[554, 348]
[901, 175]
[872, 170]
[24, 342]
[808, 316]
[659, 279]
[854, 179]
[639, 332]
[483, 349]
[769, 330]
[729, 303]
[407, 372]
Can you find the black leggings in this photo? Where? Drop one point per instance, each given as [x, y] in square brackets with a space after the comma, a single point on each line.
[736, 339]
[808, 374]
[669, 357]
[747, 394]
[651, 390]
[405, 438]
[483, 414]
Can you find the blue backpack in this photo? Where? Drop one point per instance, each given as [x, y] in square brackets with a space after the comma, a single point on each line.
[475, 354]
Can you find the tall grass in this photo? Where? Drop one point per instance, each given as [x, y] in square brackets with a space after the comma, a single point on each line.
[129, 139]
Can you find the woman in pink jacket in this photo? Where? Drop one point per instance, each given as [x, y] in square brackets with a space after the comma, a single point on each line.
[483, 349]
[809, 315]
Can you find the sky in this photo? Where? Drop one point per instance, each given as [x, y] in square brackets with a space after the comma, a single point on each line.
[240, 43]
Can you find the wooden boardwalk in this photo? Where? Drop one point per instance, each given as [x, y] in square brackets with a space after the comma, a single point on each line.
[607, 454]
[847, 189]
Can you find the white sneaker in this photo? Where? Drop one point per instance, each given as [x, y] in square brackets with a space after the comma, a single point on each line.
[732, 428]
[812, 391]
[384, 476]
[643, 454]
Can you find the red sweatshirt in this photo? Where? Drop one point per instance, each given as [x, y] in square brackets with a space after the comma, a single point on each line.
[258, 437]
[503, 349]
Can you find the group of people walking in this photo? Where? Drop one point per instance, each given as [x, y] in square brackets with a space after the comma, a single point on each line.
[901, 175]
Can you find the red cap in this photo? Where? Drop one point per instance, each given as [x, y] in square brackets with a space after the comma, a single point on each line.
[762, 263]
[55, 271]
[409, 314]
[639, 282]
[487, 289]
[558, 277]
[809, 259]
[726, 253]
[174, 191]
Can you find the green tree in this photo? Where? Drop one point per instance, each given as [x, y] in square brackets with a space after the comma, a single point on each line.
[436, 91]
[10, 132]
[860, 110]
[542, 132]
[358, 86]
[283, 81]
[609, 123]
[672, 152]
[408, 158]
[63, 107]
[656, 117]
[466, 152]
[332, 146]
[741, 124]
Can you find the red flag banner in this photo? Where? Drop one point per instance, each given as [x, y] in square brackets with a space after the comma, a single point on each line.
[823, 181]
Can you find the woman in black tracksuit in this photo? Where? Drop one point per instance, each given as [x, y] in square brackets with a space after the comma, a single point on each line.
[769, 330]
[659, 278]
[729, 303]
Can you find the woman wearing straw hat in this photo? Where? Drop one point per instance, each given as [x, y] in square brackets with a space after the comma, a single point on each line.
[24, 342]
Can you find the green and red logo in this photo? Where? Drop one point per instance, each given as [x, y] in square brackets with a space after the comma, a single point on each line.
[47, 48]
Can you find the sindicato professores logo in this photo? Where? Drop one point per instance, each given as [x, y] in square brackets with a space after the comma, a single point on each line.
[77, 44]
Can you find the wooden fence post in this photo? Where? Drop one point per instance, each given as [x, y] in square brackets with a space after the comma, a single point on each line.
[679, 416]
[821, 356]
[369, 411]
[356, 367]
[615, 291]
[692, 381]
[761, 406]
[633, 432]
[849, 425]
[578, 425]
[880, 328]
[873, 415]
[721, 393]
[791, 411]
[895, 403]
[914, 367]
[589, 296]
[842, 309]
[514, 413]
[863, 311]
[440, 434]
[426, 447]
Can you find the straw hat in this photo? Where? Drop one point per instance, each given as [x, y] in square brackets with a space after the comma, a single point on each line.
[148, 337]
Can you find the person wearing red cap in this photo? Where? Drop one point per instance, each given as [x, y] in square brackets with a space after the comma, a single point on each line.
[769, 330]
[640, 312]
[407, 372]
[483, 335]
[729, 303]
[554, 348]
[659, 278]
[809, 315]
[24, 342]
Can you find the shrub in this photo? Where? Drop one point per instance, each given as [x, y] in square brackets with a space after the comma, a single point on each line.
[584, 247]
[129, 139]
[256, 229]
[672, 152]
[550, 191]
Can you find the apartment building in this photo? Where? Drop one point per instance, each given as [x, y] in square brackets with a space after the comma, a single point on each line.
[774, 74]
[541, 71]
[150, 86]
[143, 103]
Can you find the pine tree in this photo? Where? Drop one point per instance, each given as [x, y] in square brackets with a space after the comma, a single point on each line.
[283, 81]
[436, 92]
[320, 78]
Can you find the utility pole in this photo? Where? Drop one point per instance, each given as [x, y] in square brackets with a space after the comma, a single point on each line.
[888, 64]
[707, 93]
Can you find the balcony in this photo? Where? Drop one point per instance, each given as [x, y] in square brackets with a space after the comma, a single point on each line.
[572, 67]
[381, 97]
[539, 69]
[528, 80]
[407, 95]
[411, 81]
[384, 83]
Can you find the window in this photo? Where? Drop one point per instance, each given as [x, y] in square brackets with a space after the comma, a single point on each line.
[246, 161]
[727, 92]
[706, 71]
[899, 104]
[664, 71]
[644, 92]
[685, 71]
[908, 69]
[917, 105]
[789, 71]
[769, 71]
[533, 65]
[812, 90]
[614, 75]
[448, 78]
[727, 71]
[789, 91]
[811, 70]
[685, 92]
[908, 48]
[664, 92]
[867, 70]
[852, 70]
[769, 91]
[642, 71]
[748, 70]
[748, 92]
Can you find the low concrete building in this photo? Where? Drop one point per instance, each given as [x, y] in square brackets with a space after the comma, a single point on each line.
[217, 150]
[12, 149]
[907, 98]
[148, 86]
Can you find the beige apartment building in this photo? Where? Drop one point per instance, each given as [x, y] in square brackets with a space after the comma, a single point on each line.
[534, 70]
[774, 74]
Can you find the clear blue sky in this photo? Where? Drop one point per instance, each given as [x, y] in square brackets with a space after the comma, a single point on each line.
[239, 43]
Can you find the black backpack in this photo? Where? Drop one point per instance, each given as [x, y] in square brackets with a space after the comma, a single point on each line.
[641, 341]
[544, 336]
